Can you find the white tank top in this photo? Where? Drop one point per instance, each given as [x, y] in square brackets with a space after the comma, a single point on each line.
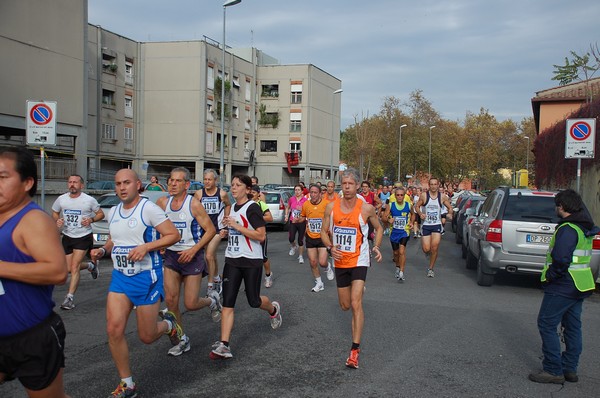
[130, 228]
[189, 229]
[433, 211]
[237, 244]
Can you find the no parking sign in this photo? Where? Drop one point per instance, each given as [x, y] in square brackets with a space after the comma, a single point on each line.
[41, 123]
[581, 137]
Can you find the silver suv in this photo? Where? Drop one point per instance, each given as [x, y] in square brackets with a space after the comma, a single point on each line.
[513, 232]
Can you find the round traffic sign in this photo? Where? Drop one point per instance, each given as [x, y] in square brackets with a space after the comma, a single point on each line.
[580, 131]
[40, 114]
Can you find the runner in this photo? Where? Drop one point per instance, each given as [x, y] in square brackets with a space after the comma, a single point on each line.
[268, 217]
[416, 218]
[184, 261]
[312, 214]
[296, 226]
[243, 262]
[384, 197]
[371, 199]
[444, 211]
[74, 213]
[429, 209]
[400, 214]
[32, 335]
[217, 205]
[331, 195]
[135, 225]
[346, 224]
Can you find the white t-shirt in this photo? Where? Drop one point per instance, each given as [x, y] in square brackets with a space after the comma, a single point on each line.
[72, 211]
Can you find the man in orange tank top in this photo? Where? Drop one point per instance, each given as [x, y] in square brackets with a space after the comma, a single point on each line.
[344, 233]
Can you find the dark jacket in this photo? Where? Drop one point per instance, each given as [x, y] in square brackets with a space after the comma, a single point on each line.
[559, 280]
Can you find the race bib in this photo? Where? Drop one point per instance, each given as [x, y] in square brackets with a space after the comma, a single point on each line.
[211, 205]
[233, 241]
[121, 263]
[295, 214]
[314, 225]
[399, 223]
[72, 218]
[432, 217]
[181, 226]
[345, 239]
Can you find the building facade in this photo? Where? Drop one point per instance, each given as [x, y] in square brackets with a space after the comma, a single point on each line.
[152, 106]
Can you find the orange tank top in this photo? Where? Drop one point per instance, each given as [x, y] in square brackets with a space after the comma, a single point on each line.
[349, 232]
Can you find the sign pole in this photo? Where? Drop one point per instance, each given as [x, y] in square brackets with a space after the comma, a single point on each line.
[578, 173]
[43, 172]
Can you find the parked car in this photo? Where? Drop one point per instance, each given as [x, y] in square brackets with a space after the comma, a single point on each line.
[271, 187]
[470, 214]
[458, 204]
[513, 232]
[466, 204]
[107, 201]
[101, 185]
[277, 201]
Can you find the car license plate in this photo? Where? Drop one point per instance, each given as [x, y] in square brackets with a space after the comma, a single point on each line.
[544, 239]
[101, 237]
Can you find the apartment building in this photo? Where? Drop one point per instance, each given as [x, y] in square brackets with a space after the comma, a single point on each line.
[153, 106]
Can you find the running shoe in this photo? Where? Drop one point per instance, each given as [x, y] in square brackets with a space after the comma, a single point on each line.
[183, 346]
[215, 307]
[220, 351]
[430, 273]
[276, 319]
[397, 274]
[330, 273]
[318, 287]
[94, 270]
[300, 260]
[292, 250]
[176, 332]
[352, 361]
[161, 313]
[401, 277]
[124, 391]
[218, 286]
[269, 280]
[68, 303]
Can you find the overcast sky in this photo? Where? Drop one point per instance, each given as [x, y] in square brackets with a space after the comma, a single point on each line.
[463, 54]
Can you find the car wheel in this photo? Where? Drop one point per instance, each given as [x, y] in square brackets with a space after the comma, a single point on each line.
[482, 278]
[471, 260]
[463, 250]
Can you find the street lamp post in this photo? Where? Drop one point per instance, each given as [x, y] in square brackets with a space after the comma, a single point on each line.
[338, 91]
[228, 3]
[400, 151]
[430, 128]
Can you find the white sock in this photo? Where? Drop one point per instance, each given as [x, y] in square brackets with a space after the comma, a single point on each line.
[319, 281]
[128, 381]
[69, 295]
[217, 279]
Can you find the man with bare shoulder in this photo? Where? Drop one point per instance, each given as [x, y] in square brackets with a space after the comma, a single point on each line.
[429, 210]
[217, 205]
[138, 230]
[74, 212]
[32, 261]
[344, 233]
[184, 261]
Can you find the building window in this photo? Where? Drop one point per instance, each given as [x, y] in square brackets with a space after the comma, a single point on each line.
[248, 90]
[247, 121]
[128, 133]
[210, 78]
[236, 112]
[295, 146]
[219, 142]
[295, 122]
[270, 90]
[296, 90]
[209, 142]
[109, 62]
[109, 132]
[268, 146]
[236, 82]
[129, 72]
[108, 97]
[210, 111]
[128, 106]
[234, 142]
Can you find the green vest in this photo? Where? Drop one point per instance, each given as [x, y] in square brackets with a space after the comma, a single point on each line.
[579, 269]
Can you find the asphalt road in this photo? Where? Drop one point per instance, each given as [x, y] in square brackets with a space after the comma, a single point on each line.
[440, 337]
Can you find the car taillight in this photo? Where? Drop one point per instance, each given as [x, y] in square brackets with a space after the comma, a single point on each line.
[281, 206]
[470, 221]
[596, 242]
[494, 232]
